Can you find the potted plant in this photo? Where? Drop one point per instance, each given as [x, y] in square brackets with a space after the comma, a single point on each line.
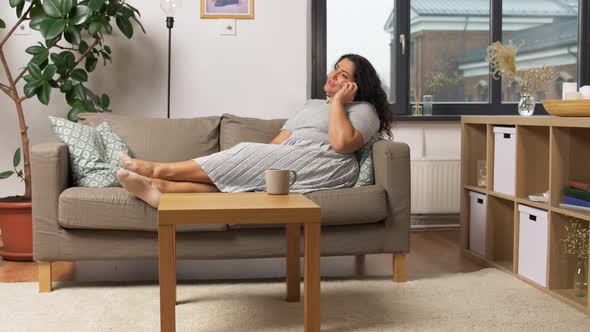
[73, 40]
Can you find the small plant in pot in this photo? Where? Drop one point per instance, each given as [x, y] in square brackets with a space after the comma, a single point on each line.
[72, 43]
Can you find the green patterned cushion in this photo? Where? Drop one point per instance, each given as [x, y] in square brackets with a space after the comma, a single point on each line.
[92, 152]
[365, 158]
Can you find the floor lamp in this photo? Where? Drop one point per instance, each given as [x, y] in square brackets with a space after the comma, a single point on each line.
[169, 8]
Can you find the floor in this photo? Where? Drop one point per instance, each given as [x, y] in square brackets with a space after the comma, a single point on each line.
[431, 253]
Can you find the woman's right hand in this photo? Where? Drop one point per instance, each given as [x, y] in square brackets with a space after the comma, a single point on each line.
[346, 94]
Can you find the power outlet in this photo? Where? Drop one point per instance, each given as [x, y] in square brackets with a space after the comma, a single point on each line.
[23, 29]
[226, 27]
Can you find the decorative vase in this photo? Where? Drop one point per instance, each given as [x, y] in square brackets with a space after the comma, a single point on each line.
[581, 278]
[17, 233]
[526, 105]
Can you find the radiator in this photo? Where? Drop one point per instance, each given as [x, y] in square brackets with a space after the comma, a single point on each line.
[435, 186]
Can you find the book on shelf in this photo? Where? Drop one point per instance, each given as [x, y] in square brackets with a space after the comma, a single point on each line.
[574, 207]
[577, 193]
[575, 201]
[578, 184]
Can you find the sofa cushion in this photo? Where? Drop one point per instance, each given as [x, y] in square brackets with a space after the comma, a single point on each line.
[112, 208]
[360, 205]
[163, 140]
[235, 129]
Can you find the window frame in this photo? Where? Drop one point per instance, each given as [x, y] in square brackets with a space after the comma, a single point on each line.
[441, 111]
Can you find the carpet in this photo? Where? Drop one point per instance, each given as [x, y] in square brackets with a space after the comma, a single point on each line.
[483, 300]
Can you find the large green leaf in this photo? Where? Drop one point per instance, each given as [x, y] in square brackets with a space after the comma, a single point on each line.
[31, 88]
[69, 59]
[16, 158]
[105, 101]
[2, 24]
[19, 9]
[90, 63]
[82, 47]
[53, 8]
[44, 93]
[66, 6]
[95, 5]
[125, 26]
[73, 115]
[55, 29]
[79, 75]
[35, 71]
[81, 15]
[37, 11]
[66, 86]
[37, 22]
[14, 3]
[34, 50]
[94, 27]
[79, 92]
[5, 175]
[72, 35]
[49, 72]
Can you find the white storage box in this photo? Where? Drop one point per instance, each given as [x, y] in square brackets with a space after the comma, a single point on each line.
[532, 244]
[477, 222]
[504, 160]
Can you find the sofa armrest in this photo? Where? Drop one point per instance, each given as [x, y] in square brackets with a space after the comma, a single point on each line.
[49, 172]
[391, 161]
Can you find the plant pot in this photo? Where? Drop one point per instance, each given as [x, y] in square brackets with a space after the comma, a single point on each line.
[16, 223]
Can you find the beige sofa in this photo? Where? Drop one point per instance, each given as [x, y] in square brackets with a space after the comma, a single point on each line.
[75, 223]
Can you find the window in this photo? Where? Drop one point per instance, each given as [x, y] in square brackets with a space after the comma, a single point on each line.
[444, 34]
[546, 33]
[445, 52]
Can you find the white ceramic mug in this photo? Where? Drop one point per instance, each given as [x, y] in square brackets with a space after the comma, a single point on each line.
[277, 181]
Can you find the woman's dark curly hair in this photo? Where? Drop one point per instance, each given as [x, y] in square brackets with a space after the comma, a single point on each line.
[370, 90]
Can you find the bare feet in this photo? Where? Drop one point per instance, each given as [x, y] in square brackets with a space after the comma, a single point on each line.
[140, 187]
[140, 167]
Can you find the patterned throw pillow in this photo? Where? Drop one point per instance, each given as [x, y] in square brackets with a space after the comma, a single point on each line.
[92, 152]
[365, 159]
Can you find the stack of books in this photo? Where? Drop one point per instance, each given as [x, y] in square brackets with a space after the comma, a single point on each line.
[576, 196]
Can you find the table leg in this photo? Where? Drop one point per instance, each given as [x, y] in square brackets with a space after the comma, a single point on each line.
[312, 278]
[293, 273]
[167, 265]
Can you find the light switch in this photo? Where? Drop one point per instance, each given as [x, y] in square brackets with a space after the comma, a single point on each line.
[226, 27]
[23, 29]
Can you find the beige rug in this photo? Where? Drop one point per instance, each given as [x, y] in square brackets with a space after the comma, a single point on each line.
[484, 300]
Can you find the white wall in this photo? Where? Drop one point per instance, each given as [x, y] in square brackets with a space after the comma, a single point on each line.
[261, 72]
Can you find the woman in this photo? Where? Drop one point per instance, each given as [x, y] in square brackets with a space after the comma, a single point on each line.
[317, 143]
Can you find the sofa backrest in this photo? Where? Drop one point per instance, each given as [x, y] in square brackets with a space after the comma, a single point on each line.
[235, 129]
[162, 140]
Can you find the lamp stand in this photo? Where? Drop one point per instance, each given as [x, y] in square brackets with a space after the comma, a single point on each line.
[169, 25]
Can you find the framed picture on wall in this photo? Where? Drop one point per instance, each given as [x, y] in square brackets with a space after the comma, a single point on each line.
[240, 9]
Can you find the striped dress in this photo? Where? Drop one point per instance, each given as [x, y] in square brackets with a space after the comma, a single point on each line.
[307, 152]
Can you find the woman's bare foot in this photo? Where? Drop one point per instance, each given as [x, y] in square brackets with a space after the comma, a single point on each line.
[141, 167]
[140, 187]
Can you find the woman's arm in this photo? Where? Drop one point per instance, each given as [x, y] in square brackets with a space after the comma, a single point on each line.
[343, 137]
[281, 137]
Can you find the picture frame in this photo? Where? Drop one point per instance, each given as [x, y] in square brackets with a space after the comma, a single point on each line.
[237, 9]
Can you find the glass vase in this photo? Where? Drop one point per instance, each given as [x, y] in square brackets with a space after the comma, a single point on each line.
[581, 278]
[526, 105]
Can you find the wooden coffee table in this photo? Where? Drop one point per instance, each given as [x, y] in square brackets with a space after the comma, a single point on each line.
[243, 208]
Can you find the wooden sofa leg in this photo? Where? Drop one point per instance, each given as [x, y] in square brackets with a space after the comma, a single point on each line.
[399, 267]
[44, 277]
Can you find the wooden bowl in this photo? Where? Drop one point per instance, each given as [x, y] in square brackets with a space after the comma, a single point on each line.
[576, 107]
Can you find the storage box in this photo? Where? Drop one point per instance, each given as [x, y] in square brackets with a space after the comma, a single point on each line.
[532, 244]
[477, 222]
[504, 160]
